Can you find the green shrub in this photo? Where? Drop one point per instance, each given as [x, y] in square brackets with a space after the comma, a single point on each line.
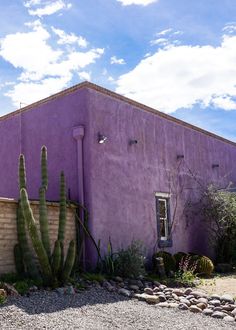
[22, 287]
[93, 277]
[178, 257]
[130, 262]
[168, 259]
[10, 278]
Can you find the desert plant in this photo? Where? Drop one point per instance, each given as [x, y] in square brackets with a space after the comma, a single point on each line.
[178, 256]
[53, 268]
[204, 266]
[21, 287]
[129, 262]
[186, 272]
[168, 259]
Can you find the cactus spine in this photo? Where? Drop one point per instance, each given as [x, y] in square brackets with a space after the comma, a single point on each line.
[62, 215]
[37, 243]
[43, 221]
[69, 263]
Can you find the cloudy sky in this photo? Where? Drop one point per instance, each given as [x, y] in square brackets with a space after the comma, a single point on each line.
[178, 56]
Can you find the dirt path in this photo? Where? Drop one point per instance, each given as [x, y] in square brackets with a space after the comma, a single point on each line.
[220, 285]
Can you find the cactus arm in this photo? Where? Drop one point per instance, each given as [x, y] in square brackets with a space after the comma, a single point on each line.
[69, 263]
[30, 265]
[20, 269]
[21, 172]
[62, 214]
[37, 244]
[56, 258]
[43, 221]
[44, 171]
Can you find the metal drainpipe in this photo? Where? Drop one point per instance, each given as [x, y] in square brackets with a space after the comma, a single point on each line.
[78, 135]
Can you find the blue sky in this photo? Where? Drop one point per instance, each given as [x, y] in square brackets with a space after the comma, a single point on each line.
[176, 56]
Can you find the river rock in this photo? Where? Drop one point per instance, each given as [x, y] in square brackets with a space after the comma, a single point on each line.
[183, 306]
[215, 302]
[134, 287]
[188, 291]
[173, 305]
[227, 298]
[199, 294]
[234, 312]
[214, 296]
[207, 312]
[195, 309]
[218, 315]
[124, 292]
[148, 291]
[163, 304]
[152, 299]
[229, 318]
[201, 305]
[178, 292]
[185, 301]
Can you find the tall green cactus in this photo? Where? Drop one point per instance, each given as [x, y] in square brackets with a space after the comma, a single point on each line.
[44, 170]
[37, 243]
[52, 267]
[21, 172]
[62, 214]
[56, 258]
[43, 221]
[69, 263]
[30, 265]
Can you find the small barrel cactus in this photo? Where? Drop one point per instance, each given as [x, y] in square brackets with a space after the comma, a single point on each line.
[204, 266]
[168, 259]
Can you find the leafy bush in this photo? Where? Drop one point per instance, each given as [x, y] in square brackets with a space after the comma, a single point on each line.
[186, 273]
[219, 208]
[22, 287]
[178, 256]
[130, 262]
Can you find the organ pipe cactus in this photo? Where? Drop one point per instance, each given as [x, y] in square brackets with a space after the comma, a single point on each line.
[21, 172]
[28, 261]
[43, 221]
[44, 170]
[62, 215]
[52, 267]
[37, 243]
[56, 258]
[69, 263]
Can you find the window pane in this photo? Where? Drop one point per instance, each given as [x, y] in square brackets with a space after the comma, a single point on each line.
[162, 228]
[162, 208]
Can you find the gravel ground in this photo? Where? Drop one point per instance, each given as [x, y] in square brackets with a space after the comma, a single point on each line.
[97, 309]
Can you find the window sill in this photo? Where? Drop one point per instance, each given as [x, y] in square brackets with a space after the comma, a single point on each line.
[166, 243]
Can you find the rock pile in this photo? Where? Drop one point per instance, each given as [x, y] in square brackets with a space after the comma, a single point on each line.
[155, 293]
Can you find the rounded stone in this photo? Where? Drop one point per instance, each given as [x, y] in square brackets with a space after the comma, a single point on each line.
[203, 300]
[183, 306]
[173, 305]
[207, 312]
[163, 304]
[218, 315]
[162, 298]
[134, 287]
[227, 298]
[188, 291]
[195, 309]
[201, 305]
[215, 296]
[177, 292]
[229, 318]
[215, 302]
[148, 291]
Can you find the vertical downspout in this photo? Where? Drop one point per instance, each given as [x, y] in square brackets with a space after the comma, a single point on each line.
[78, 135]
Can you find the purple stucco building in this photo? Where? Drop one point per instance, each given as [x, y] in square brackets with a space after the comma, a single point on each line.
[136, 183]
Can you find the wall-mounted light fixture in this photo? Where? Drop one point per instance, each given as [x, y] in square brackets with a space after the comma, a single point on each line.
[180, 156]
[133, 142]
[215, 165]
[101, 138]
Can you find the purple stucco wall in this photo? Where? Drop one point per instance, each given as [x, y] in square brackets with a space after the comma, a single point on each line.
[120, 180]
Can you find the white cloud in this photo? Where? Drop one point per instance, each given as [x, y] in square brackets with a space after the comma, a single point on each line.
[137, 2]
[164, 32]
[46, 7]
[180, 76]
[41, 64]
[29, 92]
[69, 39]
[85, 75]
[115, 60]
